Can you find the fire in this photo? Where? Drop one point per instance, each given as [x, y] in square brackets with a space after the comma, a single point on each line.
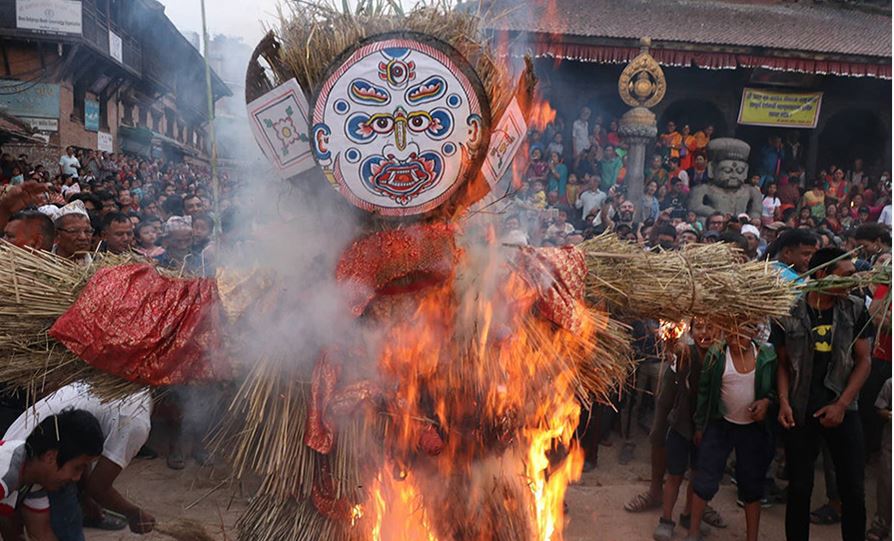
[670, 331]
[356, 514]
[480, 428]
[539, 117]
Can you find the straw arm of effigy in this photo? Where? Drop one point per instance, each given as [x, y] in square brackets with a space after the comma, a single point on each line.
[706, 281]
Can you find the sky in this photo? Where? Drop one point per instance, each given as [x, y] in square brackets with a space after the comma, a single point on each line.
[239, 18]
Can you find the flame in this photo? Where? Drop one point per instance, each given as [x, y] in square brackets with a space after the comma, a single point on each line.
[539, 116]
[670, 331]
[356, 514]
[480, 427]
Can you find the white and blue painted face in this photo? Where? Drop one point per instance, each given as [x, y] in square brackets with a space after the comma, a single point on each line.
[397, 126]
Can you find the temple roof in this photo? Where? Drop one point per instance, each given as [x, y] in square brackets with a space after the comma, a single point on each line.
[792, 26]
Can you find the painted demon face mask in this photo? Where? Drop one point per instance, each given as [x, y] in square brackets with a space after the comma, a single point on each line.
[398, 124]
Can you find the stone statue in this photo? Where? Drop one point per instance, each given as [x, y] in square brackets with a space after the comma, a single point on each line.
[727, 191]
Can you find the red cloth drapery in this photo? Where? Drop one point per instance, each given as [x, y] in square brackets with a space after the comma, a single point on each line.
[711, 60]
[131, 322]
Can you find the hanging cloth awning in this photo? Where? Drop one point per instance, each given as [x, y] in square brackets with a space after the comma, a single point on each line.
[604, 54]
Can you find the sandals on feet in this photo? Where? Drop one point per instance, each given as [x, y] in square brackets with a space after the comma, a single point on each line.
[713, 518]
[642, 502]
[825, 515]
[175, 461]
[108, 521]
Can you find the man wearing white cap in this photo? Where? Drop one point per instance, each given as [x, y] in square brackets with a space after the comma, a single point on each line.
[753, 236]
[177, 242]
[74, 232]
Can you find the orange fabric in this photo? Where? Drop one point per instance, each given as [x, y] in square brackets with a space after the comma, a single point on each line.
[673, 141]
[690, 144]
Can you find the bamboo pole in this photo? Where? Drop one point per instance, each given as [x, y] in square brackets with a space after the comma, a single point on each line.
[215, 180]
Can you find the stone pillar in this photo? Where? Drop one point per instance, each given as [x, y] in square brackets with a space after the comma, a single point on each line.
[638, 128]
[641, 86]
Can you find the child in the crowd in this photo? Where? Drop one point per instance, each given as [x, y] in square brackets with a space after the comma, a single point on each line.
[736, 390]
[146, 237]
[680, 450]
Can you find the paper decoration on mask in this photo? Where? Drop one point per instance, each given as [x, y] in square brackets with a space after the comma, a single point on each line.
[279, 122]
[397, 127]
[505, 141]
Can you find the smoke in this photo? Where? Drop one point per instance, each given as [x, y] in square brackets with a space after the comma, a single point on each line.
[282, 252]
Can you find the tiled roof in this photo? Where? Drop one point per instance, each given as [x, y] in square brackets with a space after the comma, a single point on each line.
[803, 26]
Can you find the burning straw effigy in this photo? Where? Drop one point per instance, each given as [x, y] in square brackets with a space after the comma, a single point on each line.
[443, 400]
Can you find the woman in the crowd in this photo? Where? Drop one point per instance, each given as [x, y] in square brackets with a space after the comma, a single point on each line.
[815, 200]
[832, 221]
[771, 204]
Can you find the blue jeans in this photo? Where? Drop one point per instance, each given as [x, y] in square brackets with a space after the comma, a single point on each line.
[753, 444]
[66, 516]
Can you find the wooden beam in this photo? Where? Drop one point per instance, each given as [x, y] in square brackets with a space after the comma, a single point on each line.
[63, 67]
[6, 67]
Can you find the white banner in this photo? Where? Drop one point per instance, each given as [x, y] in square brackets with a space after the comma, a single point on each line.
[104, 142]
[115, 46]
[62, 16]
[42, 124]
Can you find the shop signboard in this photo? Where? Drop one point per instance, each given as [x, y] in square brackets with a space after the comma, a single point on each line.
[42, 124]
[26, 99]
[105, 142]
[91, 115]
[115, 47]
[55, 16]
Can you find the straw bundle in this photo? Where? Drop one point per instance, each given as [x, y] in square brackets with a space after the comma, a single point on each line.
[35, 289]
[183, 530]
[707, 281]
[880, 275]
[269, 518]
[314, 34]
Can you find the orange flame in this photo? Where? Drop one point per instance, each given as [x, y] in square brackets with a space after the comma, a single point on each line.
[539, 116]
[481, 424]
[670, 331]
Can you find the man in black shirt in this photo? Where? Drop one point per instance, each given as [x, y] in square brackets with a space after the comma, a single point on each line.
[823, 350]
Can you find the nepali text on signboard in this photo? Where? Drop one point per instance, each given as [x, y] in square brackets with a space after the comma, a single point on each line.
[115, 47]
[42, 124]
[91, 115]
[26, 99]
[104, 142]
[57, 16]
[780, 109]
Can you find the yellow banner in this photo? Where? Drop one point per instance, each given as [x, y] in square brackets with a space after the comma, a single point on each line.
[780, 109]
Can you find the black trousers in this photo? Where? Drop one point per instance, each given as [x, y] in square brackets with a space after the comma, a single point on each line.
[802, 445]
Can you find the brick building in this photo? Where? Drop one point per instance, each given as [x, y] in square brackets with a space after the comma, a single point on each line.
[711, 52]
[108, 74]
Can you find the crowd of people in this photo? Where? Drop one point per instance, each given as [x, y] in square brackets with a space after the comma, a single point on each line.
[817, 382]
[108, 202]
[570, 192]
[89, 205]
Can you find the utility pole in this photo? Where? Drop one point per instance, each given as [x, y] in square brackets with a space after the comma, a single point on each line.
[215, 180]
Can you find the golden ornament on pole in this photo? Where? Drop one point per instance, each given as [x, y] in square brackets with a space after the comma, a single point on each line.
[642, 82]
